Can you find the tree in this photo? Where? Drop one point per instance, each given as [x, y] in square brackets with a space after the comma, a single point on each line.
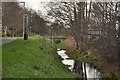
[94, 27]
[12, 17]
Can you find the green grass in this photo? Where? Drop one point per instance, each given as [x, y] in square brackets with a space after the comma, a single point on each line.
[55, 36]
[118, 76]
[83, 57]
[25, 59]
[105, 75]
[0, 61]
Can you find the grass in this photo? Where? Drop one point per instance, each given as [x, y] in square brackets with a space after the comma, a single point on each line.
[55, 36]
[105, 75]
[118, 76]
[26, 59]
[87, 58]
[0, 61]
[83, 57]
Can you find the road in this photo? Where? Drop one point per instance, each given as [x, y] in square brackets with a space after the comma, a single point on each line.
[6, 40]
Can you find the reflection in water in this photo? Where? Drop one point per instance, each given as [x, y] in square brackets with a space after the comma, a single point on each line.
[87, 70]
[69, 62]
[90, 72]
[62, 54]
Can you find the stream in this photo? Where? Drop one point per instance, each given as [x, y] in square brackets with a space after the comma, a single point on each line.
[90, 72]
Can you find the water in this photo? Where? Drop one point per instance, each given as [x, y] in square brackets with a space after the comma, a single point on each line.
[69, 62]
[90, 72]
[62, 54]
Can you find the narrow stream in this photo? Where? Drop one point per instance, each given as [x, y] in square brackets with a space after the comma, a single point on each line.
[90, 72]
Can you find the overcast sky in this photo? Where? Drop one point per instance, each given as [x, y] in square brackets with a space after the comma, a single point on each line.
[35, 4]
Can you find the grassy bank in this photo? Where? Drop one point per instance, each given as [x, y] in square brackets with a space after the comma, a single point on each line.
[0, 61]
[34, 58]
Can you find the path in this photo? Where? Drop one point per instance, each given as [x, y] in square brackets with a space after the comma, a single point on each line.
[6, 40]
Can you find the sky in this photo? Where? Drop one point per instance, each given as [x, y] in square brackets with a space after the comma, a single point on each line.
[40, 5]
[37, 5]
[34, 4]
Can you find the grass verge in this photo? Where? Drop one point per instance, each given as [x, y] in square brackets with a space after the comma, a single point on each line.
[0, 61]
[35, 58]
